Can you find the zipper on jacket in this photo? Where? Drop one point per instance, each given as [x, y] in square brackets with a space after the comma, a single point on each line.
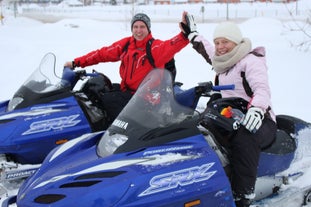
[133, 64]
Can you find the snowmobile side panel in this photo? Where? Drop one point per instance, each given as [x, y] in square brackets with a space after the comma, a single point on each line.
[33, 131]
[278, 156]
[269, 164]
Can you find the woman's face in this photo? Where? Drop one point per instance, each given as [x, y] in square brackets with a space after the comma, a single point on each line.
[140, 30]
[223, 46]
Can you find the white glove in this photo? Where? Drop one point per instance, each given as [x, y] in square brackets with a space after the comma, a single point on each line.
[192, 26]
[253, 119]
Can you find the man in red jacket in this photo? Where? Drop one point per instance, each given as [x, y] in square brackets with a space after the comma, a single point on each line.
[134, 61]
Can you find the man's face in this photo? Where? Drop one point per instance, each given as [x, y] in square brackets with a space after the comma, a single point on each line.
[140, 30]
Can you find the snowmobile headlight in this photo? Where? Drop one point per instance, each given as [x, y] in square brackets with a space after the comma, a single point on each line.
[110, 143]
[14, 102]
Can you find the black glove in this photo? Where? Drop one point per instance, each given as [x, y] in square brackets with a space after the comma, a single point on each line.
[73, 65]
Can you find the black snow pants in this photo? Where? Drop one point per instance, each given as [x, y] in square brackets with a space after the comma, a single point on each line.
[113, 102]
[245, 152]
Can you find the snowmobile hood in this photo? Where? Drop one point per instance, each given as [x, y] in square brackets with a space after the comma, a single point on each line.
[69, 187]
[113, 177]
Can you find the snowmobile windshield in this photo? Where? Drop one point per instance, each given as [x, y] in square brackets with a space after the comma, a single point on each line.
[151, 117]
[41, 84]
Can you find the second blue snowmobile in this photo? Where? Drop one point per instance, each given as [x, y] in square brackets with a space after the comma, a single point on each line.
[46, 112]
[158, 152]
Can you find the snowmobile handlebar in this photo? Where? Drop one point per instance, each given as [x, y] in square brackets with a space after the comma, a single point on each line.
[205, 88]
[71, 77]
[224, 87]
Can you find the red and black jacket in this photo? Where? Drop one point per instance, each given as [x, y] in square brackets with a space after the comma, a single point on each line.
[134, 62]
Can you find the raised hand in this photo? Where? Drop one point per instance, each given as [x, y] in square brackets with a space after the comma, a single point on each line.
[188, 26]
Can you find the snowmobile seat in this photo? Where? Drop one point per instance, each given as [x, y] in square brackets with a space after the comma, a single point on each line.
[283, 144]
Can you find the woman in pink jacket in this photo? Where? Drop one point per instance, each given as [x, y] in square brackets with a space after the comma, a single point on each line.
[234, 60]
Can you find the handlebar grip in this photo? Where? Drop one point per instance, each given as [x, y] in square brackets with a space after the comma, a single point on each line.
[224, 87]
[92, 74]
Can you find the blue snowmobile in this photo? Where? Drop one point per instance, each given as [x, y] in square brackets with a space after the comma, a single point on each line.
[157, 152]
[46, 112]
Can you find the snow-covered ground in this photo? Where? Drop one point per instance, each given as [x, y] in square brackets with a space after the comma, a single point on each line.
[24, 41]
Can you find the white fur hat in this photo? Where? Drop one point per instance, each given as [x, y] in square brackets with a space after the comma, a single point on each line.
[228, 30]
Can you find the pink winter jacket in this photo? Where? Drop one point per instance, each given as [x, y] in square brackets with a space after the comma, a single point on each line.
[255, 69]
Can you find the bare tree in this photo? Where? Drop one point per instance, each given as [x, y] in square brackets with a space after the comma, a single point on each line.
[303, 27]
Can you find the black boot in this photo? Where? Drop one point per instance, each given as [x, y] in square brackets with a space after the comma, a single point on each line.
[242, 202]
